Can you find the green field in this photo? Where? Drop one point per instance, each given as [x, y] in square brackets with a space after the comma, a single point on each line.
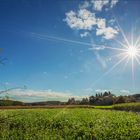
[68, 124]
[127, 107]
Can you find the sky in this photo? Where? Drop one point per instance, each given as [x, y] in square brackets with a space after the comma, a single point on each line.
[56, 49]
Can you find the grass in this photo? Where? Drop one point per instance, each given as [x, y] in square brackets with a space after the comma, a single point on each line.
[122, 107]
[68, 124]
[127, 107]
[46, 106]
[103, 107]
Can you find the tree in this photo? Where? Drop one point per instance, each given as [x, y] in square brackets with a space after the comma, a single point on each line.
[120, 99]
[106, 93]
[84, 101]
[71, 101]
[92, 100]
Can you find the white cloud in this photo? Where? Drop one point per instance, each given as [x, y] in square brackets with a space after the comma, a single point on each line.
[113, 3]
[107, 33]
[88, 21]
[99, 4]
[36, 93]
[81, 20]
[28, 95]
[85, 34]
[101, 23]
[102, 90]
[125, 91]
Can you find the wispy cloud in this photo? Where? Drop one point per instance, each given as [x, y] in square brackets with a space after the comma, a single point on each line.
[102, 90]
[85, 34]
[101, 60]
[28, 95]
[115, 91]
[97, 48]
[124, 91]
[84, 5]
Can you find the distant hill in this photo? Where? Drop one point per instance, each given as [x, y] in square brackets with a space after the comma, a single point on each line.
[10, 103]
[45, 103]
[137, 97]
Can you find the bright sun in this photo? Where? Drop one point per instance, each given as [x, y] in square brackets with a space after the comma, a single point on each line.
[132, 51]
[129, 52]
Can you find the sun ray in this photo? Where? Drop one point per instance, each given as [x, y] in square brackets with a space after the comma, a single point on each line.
[127, 61]
[132, 37]
[106, 73]
[138, 61]
[42, 36]
[128, 50]
[121, 43]
[138, 46]
[122, 32]
[137, 41]
[118, 55]
[138, 55]
[112, 48]
[133, 79]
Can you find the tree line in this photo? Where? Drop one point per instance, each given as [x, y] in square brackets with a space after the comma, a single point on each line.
[102, 98]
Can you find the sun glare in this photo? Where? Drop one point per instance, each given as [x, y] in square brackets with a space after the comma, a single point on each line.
[129, 52]
[132, 51]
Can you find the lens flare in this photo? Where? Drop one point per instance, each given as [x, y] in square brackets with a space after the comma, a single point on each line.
[132, 51]
[128, 52]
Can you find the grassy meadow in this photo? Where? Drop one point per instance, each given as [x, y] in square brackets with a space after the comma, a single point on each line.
[68, 124]
[127, 107]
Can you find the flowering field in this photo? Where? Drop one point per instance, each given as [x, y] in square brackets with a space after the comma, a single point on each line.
[68, 124]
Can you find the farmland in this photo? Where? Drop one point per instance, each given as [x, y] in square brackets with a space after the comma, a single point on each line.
[69, 124]
[128, 107]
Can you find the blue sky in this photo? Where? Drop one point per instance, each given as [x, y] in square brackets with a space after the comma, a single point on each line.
[62, 48]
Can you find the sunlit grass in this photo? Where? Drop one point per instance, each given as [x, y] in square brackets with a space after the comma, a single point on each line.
[88, 124]
[128, 107]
